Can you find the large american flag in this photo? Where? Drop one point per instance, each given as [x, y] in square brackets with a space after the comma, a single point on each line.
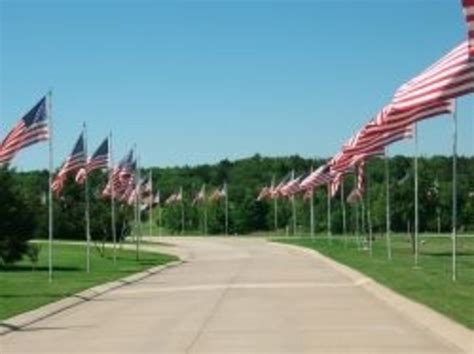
[31, 129]
[74, 162]
[450, 77]
[469, 13]
[99, 160]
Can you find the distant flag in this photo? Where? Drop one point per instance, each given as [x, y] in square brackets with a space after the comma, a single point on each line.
[293, 186]
[171, 199]
[201, 196]
[264, 194]
[74, 162]
[31, 129]
[99, 160]
[157, 199]
[276, 191]
[121, 176]
[218, 194]
[319, 177]
[469, 13]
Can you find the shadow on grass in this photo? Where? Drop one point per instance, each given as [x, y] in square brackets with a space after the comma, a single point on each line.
[27, 268]
[446, 254]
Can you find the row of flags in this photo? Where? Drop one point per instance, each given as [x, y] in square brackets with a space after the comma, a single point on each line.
[429, 94]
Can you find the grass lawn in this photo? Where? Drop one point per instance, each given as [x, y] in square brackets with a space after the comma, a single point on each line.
[429, 284]
[22, 289]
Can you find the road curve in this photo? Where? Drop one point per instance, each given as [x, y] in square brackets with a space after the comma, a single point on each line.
[232, 295]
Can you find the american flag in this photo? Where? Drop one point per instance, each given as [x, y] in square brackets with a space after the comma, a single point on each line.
[389, 121]
[175, 198]
[157, 199]
[321, 176]
[121, 176]
[31, 129]
[450, 77]
[218, 193]
[293, 186]
[201, 196]
[99, 160]
[469, 13]
[276, 191]
[264, 193]
[75, 161]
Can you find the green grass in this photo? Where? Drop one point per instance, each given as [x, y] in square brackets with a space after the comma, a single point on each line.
[22, 289]
[429, 284]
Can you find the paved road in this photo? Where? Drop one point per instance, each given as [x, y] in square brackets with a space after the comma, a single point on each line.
[232, 296]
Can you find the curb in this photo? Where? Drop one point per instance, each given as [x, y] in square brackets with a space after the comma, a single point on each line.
[452, 332]
[25, 319]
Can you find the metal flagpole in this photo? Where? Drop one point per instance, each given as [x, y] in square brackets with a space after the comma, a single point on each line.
[293, 206]
[87, 209]
[387, 205]
[150, 206]
[226, 209]
[50, 191]
[454, 206]
[137, 207]
[205, 211]
[182, 210]
[343, 206]
[275, 207]
[416, 226]
[329, 209]
[112, 199]
[311, 211]
[357, 220]
[369, 215]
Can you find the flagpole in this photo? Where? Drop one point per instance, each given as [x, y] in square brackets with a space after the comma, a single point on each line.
[137, 202]
[454, 206]
[150, 216]
[182, 210]
[205, 211]
[343, 206]
[112, 200]
[275, 207]
[387, 205]
[87, 209]
[329, 221]
[416, 226]
[293, 205]
[369, 215]
[311, 211]
[357, 220]
[226, 209]
[50, 191]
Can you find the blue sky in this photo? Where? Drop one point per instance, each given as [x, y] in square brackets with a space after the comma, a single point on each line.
[198, 81]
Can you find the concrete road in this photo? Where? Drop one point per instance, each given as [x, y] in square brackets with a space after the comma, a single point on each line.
[232, 296]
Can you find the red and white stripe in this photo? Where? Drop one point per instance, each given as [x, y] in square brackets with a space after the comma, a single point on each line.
[450, 77]
[468, 6]
[72, 164]
[321, 176]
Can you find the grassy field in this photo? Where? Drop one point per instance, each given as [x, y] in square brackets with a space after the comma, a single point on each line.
[429, 284]
[22, 289]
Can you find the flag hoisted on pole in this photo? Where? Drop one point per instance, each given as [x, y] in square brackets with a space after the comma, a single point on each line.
[226, 196]
[87, 206]
[455, 202]
[112, 199]
[293, 205]
[387, 205]
[329, 210]
[416, 226]
[150, 203]
[49, 110]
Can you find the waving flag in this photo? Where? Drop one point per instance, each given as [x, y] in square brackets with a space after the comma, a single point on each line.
[321, 176]
[31, 129]
[276, 191]
[157, 199]
[264, 194]
[99, 160]
[218, 194]
[201, 196]
[74, 162]
[450, 77]
[469, 13]
[121, 176]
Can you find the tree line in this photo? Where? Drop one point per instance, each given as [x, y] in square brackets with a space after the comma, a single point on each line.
[23, 211]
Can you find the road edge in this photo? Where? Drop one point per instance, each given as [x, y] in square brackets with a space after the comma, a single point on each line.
[451, 331]
[20, 321]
